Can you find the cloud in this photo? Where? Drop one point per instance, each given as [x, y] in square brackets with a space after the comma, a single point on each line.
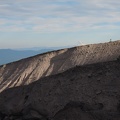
[58, 15]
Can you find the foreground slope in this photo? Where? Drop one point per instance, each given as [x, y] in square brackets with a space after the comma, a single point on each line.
[90, 92]
[31, 69]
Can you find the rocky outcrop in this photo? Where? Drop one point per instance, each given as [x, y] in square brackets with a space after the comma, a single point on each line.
[89, 92]
[28, 70]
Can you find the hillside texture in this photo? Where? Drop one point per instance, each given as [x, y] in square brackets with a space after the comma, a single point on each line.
[90, 92]
[28, 70]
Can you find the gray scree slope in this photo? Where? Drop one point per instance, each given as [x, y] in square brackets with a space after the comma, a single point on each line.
[90, 92]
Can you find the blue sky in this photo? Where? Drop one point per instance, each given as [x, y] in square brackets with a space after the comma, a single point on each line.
[35, 23]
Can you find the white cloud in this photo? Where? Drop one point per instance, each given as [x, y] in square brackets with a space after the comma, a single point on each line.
[58, 15]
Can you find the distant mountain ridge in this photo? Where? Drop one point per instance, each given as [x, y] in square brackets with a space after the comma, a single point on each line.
[12, 55]
[9, 55]
[44, 48]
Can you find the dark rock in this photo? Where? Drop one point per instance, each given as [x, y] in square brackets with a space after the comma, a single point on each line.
[2, 116]
[33, 114]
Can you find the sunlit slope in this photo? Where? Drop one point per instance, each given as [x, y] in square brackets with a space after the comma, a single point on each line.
[31, 69]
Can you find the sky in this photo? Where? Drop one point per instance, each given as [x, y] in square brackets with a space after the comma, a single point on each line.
[35, 23]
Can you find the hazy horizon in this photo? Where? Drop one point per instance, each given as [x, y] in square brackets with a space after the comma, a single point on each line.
[55, 23]
[56, 47]
[37, 48]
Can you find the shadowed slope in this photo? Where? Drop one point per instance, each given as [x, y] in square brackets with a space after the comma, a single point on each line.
[31, 69]
[90, 92]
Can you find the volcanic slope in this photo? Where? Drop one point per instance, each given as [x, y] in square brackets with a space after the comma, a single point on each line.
[90, 92]
[31, 69]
